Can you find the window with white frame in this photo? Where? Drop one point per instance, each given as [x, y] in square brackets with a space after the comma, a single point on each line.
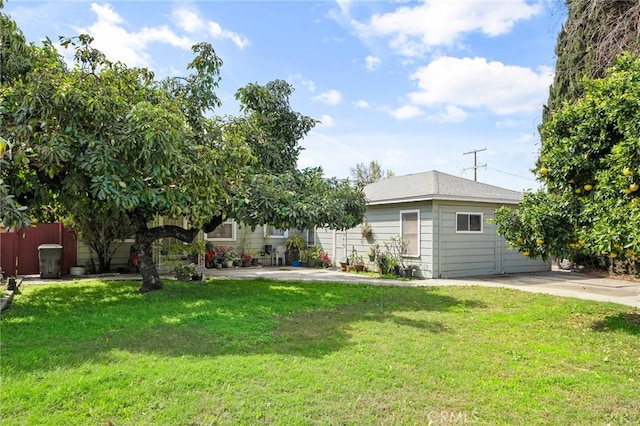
[224, 232]
[469, 222]
[273, 232]
[410, 231]
[311, 237]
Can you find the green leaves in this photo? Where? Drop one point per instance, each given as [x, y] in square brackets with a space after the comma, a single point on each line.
[590, 165]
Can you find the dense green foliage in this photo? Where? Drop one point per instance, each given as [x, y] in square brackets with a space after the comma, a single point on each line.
[595, 33]
[267, 352]
[590, 166]
[588, 159]
[104, 135]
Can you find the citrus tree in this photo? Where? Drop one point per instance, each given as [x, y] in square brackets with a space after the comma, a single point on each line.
[103, 137]
[589, 164]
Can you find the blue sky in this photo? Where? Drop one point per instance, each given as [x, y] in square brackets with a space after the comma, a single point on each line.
[411, 84]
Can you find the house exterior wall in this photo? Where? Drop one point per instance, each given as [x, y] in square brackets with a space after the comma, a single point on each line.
[120, 259]
[385, 222]
[246, 239]
[471, 254]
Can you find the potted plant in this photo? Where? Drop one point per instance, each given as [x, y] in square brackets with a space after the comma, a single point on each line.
[185, 272]
[324, 259]
[246, 258]
[367, 230]
[294, 245]
[305, 255]
[344, 263]
[230, 257]
[356, 261]
[372, 252]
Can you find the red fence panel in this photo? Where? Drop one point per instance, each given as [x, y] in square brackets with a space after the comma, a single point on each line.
[19, 248]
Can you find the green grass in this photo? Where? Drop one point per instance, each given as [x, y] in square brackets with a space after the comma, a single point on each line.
[266, 352]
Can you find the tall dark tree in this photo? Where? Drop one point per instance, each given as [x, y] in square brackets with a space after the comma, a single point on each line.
[589, 159]
[594, 34]
[104, 134]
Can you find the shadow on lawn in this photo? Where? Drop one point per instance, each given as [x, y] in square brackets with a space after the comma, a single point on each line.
[70, 324]
[628, 322]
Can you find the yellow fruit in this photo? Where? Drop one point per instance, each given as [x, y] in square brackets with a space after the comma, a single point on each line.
[636, 200]
[580, 242]
[588, 187]
[626, 171]
[616, 245]
[3, 147]
[543, 170]
[519, 240]
[613, 255]
[578, 190]
[626, 191]
[525, 253]
[540, 241]
[633, 187]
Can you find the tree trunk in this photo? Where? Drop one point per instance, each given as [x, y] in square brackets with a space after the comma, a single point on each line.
[145, 237]
[150, 277]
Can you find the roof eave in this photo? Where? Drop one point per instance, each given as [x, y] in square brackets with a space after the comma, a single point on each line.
[443, 198]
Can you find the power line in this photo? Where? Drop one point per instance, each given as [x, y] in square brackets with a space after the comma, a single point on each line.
[475, 162]
[511, 174]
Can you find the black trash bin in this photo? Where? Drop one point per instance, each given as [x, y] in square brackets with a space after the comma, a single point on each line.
[50, 257]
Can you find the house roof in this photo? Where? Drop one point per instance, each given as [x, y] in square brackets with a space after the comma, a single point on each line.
[434, 185]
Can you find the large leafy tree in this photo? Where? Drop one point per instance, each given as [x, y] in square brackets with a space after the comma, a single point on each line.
[579, 212]
[364, 174]
[104, 134]
[590, 166]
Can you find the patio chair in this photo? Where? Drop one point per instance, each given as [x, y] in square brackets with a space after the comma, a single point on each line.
[279, 253]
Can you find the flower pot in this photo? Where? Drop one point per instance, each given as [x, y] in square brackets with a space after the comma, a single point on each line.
[229, 264]
[218, 265]
[183, 277]
[77, 271]
[358, 267]
[343, 266]
[372, 257]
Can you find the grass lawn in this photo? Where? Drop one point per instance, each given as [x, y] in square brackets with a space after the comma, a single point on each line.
[267, 352]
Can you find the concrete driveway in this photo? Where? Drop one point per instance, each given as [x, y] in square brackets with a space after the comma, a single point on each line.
[558, 283]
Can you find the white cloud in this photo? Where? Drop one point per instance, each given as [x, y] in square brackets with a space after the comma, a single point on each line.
[362, 104]
[298, 80]
[450, 114]
[413, 30]
[327, 120]
[216, 31]
[188, 21]
[129, 47]
[476, 83]
[372, 62]
[332, 97]
[406, 112]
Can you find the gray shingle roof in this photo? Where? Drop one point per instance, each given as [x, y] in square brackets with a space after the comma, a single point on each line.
[434, 185]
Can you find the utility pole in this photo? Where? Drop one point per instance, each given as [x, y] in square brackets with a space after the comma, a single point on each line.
[475, 162]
